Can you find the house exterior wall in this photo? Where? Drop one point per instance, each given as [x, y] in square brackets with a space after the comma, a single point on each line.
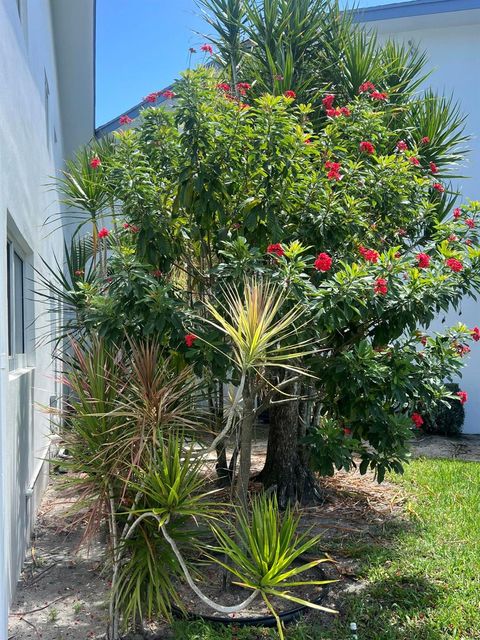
[452, 41]
[33, 145]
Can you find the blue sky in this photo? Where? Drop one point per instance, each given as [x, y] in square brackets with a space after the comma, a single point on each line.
[142, 45]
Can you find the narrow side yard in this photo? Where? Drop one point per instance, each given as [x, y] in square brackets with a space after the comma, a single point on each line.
[407, 553]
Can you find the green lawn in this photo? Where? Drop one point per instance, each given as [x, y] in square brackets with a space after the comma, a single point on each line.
[422, 578]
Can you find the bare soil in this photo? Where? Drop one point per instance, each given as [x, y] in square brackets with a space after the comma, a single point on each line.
[63, 589]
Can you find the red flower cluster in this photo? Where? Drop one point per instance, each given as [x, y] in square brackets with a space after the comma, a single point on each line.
[454, 264]
[402, 145]
[323, 262]
[224, 86]
[347, 431]
[290, 94]
[103, 233]
[417, 420]
[95, 162]
[338, 111]
[152, 97]
[457, 213]
[131, 227]
[423, 260]
[380, 287]
[425, 140]
[243, 87]
[367, 147]
[370, 255]
[475, 334]
[470, 222]
[125, 119]
[376, 95]
[415, 161]
[190, 339]
[433, 168]
[366, 86]
[307, 141]
[276, 249]
[452, 238]
[328, 101]
[334, 170]
[157, 273]
[167, 94]
[463, 395]
[207, 48]
[439, 187]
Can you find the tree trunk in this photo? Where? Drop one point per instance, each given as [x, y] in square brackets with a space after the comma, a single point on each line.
[246, 434]
[286, 468]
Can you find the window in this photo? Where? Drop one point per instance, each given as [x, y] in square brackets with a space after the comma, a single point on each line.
[15, 301]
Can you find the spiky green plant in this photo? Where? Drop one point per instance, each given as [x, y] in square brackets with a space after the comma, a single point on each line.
[264, 552]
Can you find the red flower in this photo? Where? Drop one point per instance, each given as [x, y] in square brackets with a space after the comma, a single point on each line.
[95, 162]
[452, 238]
[81, 272]
[207, 48]
[402, 145]
[423, 260]
[463, 395]
[417, 420]
[475, 334]
[376, 95]
[125, 119]
[307, 141]
[328, 101]
[347, 431]
[468, 242]
[190, 339]
[370, 255]
[345, 111]
[167, 94]
[367, 147]
[290, 94]
[152, 97]
[333, 113]
[470, 222]
[224, 86]
[415, 161]
[157, 273]
[425, 140]
[103, 233]
[423, 340]
[366, 86]
[243, 87]
[462, 350]
[380, 287]
[433, 168]
[457, 213]
[276, 249]
[438, 187]
[323, 262]
[334, 170]
[454, 264]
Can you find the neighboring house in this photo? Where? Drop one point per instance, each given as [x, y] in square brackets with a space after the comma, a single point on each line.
[449, 32]
[46, 112]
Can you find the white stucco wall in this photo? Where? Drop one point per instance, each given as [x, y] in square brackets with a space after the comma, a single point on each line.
[452, 42]
[30, 154]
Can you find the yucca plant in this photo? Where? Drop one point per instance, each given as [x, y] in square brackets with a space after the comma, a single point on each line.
[260, 331]
[263, 553]
[169, 495]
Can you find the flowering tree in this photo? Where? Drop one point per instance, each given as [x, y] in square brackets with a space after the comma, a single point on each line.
[344, 203]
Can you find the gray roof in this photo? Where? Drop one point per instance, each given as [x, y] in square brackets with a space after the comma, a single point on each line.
[414, 8]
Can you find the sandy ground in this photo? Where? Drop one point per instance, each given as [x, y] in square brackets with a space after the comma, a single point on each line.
[63, 589]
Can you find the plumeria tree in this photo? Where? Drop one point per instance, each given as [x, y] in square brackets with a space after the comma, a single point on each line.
[343, 202]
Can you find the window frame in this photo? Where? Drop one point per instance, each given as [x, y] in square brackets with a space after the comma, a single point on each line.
[17, 358]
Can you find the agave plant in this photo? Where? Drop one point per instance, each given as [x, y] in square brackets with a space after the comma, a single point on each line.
[264, 553]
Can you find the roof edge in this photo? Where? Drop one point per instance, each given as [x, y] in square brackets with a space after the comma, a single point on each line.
[412, 9]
